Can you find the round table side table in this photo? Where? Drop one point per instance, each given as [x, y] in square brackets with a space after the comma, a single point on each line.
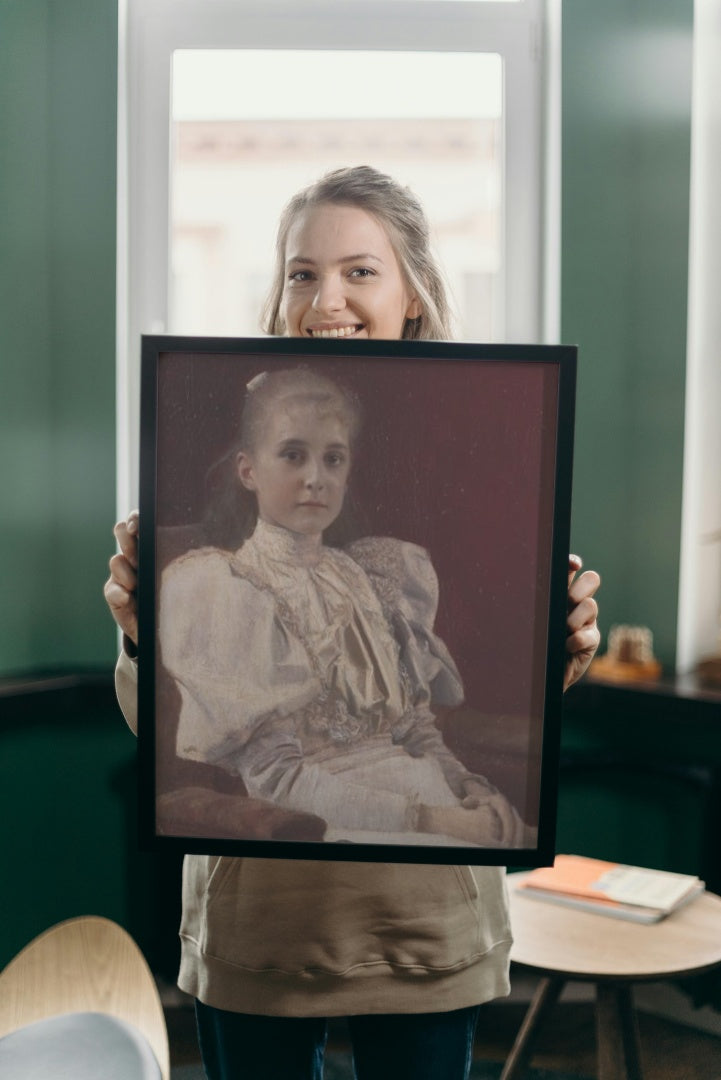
[564, 944]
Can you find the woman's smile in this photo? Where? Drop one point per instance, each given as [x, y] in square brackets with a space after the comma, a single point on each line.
[342, 277]
[334, 331]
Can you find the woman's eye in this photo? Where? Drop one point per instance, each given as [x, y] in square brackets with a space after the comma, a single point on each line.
[300, 276]
[362, 272]
[335, 459]
[291, 455]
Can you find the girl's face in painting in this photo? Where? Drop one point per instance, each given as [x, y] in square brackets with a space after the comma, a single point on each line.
[299, 469]
[342, 277]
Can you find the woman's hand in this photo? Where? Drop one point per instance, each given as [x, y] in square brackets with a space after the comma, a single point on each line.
[582, 633]
[484, 816]
[477, 795]
[121, 587]
[478, 825]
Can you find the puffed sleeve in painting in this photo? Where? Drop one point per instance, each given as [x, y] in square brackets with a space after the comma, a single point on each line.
[232, 659]
[403, 577]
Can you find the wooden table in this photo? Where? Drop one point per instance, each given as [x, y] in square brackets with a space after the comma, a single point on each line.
[563, 944]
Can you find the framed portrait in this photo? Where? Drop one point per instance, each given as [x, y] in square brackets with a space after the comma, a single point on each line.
[353, 571]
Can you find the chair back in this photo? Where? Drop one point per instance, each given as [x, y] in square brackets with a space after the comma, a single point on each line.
[87, 964]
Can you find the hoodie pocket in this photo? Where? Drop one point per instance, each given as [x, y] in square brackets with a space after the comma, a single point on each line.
[468, 884]
[336, 917]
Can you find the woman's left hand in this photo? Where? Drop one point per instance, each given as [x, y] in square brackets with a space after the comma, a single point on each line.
[582, 633]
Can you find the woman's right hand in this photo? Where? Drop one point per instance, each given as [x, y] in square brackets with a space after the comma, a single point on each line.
[121, 587]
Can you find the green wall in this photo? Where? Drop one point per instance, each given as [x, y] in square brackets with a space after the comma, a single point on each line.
[58, 72]
[626, 146]
[67, 771]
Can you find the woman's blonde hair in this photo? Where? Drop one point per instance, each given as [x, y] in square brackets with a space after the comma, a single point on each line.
[402, 216]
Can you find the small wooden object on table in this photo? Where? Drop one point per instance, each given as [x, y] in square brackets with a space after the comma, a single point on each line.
[629, 658]
[562, 944]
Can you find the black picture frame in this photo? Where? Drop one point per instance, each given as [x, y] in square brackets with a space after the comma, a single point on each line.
[465, 454]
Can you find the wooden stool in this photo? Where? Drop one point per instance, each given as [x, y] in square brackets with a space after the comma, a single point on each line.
[564, 944]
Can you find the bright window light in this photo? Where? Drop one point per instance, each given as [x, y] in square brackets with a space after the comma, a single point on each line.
[238, 154]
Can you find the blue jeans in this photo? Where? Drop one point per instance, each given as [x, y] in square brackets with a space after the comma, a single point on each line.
[414, 1046]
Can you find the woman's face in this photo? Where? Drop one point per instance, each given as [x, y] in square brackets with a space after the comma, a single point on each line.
[299, 469]
[342, 277]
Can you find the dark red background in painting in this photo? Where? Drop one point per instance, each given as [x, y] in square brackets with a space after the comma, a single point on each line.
[458, 456]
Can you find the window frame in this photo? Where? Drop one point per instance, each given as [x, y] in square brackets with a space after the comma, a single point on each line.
[526, 34]
[699, 594]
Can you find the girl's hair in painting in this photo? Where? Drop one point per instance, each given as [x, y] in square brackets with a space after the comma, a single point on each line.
[402, 216]
[231, 510]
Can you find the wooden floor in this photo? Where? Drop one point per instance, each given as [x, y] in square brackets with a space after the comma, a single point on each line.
[669, 1051]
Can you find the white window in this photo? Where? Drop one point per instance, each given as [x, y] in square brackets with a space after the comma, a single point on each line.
[227, 107]
[235, 161]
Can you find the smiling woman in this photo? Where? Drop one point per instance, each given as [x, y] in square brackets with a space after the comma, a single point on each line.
[353, 259]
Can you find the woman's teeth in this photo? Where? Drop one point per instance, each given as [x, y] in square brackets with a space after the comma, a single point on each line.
[337, 331]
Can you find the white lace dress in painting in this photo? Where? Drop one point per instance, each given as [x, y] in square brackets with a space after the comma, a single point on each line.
[314, 680]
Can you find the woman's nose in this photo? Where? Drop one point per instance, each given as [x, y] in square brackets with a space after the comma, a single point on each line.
[329, 295]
